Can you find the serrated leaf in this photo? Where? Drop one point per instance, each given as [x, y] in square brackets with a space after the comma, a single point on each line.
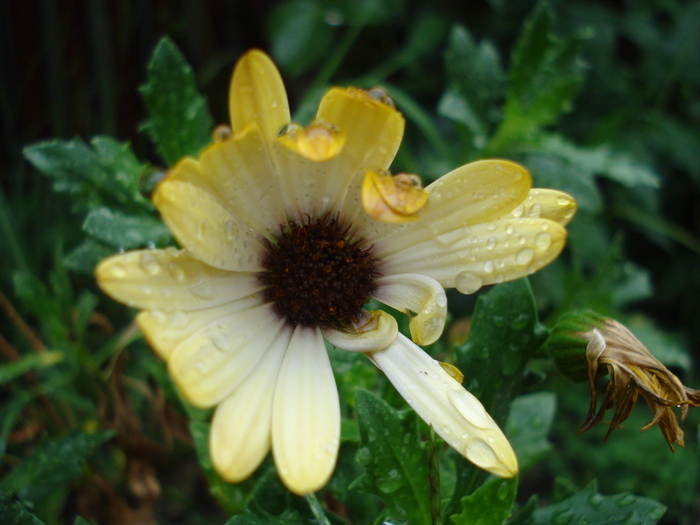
[529, 422]
[394, 460]
[122, 162]
[490, 504]
[588, 506]
[13, 512]
[86, 255]
[53, 464]
[180, 122]
[125, 231]
[504, 335]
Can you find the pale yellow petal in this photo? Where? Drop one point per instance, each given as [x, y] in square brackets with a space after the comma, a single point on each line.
[241, 171]
[204, 226]
[212, 362]
[455, 414]
[375, 330]
[240, 434]
[257, 96]
[170, 280]
[474, 193]
[305, 414]
[544, 203]
[420, 295]
[471, 257]
[166, 329]
[393, 198]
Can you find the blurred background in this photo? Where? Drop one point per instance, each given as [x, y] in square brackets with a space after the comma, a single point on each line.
[622, 135]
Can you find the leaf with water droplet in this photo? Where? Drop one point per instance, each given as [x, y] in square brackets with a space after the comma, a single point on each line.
[395, 466]
[490, 504]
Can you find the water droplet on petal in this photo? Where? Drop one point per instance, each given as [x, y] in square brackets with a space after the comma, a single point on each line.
[518, 211]
[468, 283]
[441, 300]
[535, 210]
[118, 271]
[231, 230]
[543, 241]
[150, 263]
[488, 267]
[491, 243]
[525, 256]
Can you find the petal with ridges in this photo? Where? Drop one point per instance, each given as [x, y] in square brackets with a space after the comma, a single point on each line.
[203, 225]
[170, 280]
[257, 96]
[305, 414]
[213, 361]
[419, 294]
[474, 193]
[455, 414]
[165, 330]
[373, 133]
[489, 253]
[240, 434]
[544, 203]
[241, 171]
[375, 330]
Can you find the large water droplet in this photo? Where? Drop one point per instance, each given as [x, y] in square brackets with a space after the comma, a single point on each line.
[535, 210]
[543, 241]
[488, 267]
[150, 263]
[491, 243]
[118, 271]
[524, 256]
[518, 211]
[441, 300]
[467, 283]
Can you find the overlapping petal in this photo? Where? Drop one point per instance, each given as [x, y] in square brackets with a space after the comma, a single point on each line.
[204, 226]
[305, 414]
[421, 295]
[472, 194]
[170, 280]
[544, 203]
[212, 362]
[240, 434]
[489, 253]
[455, 414]
[373, 331]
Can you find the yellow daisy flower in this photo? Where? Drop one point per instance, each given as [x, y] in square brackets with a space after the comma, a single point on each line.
[287, 232]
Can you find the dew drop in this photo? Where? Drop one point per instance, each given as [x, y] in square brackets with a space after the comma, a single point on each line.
[177, 272]
[518, 211]
[150, 264]
[535, 210]
[118, 271]
[509, 229]
[441, 300]
[231, 230]
[491, 243]
[468, 283]
[488, 266]
[524, 256]
[543, 241]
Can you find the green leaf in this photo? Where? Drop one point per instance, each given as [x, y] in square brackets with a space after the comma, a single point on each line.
[125, 231]
[505, 333]
[529, 422]
[86, 255]
[13, 370]
[180, 122]
[394, 460]
[232, 497]
[122, 163]
[52, 465]
[13, 512]
[300, 35]
[588, 506]
[490, 504]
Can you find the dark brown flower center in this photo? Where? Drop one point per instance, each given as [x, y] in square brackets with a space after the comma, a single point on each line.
[316, 274]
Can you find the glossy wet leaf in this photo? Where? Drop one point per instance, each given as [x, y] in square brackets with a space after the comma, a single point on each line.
[490, 504]
[180, 123]
[394, 460]
[529, 422]
[125, 231]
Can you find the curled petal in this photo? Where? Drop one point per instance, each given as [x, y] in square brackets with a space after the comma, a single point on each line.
[455, 414]
[257, 95]
[318, 142]
[170, 280]
[374, 331]
[305, 414]
[544, 203]
[392, 199]
[240, 434]
[419, 294]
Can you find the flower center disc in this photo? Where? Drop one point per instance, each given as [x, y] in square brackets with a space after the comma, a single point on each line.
[316, 275]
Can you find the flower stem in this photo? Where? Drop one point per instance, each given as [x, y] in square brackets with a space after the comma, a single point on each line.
[315, 506]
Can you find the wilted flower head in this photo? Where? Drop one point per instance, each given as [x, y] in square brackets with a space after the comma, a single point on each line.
[287, 233]
[610, 347]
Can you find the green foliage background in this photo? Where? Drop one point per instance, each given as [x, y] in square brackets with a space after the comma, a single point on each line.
[596, 98]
